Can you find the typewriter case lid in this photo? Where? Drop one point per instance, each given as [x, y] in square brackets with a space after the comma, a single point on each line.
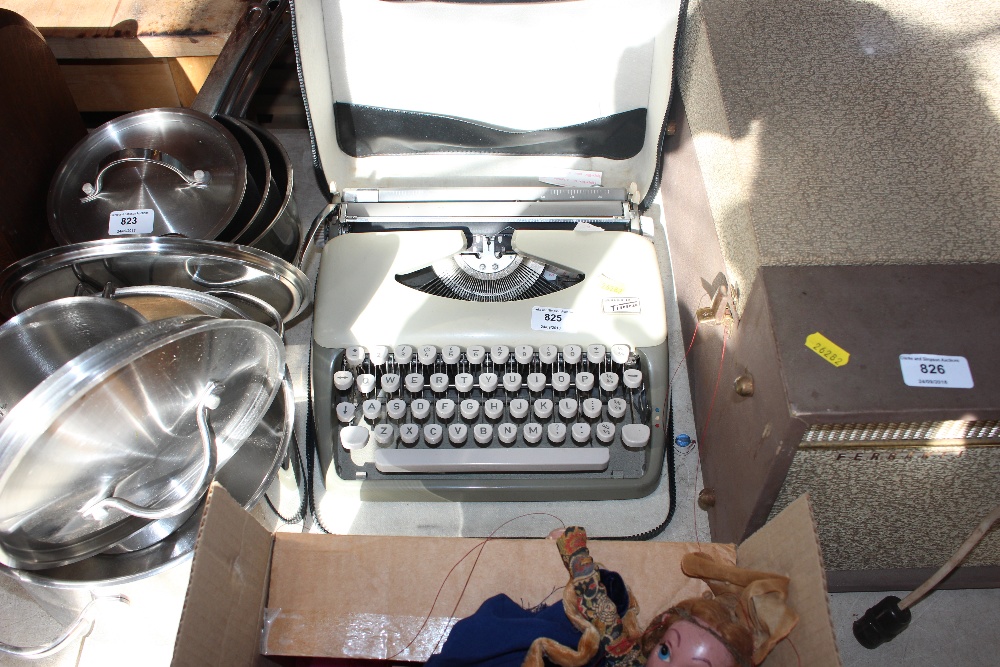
[486, 93]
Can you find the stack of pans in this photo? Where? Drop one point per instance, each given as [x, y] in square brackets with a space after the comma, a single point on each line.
[141, 370]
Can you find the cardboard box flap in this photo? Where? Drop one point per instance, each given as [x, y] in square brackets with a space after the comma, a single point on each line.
[396, 597]
[403, 94]
[788, 545]
[221, 619]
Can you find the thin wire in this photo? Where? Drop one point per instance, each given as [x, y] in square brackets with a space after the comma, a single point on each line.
[480, 545]
[795, 648]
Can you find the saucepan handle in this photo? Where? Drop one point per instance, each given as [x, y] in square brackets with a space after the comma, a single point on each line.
[194, 177]
[209, 401]
[80, 625]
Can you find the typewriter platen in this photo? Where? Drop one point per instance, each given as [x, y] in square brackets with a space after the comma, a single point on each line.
[490, 344]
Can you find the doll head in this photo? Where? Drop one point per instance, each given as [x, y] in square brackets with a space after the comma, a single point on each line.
[697, 633]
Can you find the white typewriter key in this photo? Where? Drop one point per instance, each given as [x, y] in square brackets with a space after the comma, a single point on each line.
[390, 383]
[595, 353]
[483, 433]
[464, 382]
[500, 354]
[384, 434]
[556, 433]
[445, 408]
[524, 353]
[353, 437]
[366, 382]
[560, 381]
[592, 408]
[439, 382]
[433, 433]
[547, 354]
[632, 378]
[609, 381]
[543, 408]
[420, 408]
[619, 353]
[345, 411]
[343, 380]
[567, 408]
[581, 433]
[355, 355]
[635, 436]
[494, 408]
[451, 354]
[536, 381]
[378, 354]
[585, 381]
[487, 382]
[617, 407]
[572, 354]
[606, 432]
[518, 408]
[475, 354]
[371, 409]
[458, 433]
[532, 433]
[512, 381]
[414, 382]
[396, 408]
[403, 354]
[507, 433]
[470, 408]
[409, 433]
[427, 354]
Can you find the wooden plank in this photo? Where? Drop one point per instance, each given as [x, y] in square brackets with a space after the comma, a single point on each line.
[164, 46]
[189, 75]
[121, 85]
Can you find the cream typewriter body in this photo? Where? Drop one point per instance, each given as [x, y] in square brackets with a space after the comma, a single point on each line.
[489, 361]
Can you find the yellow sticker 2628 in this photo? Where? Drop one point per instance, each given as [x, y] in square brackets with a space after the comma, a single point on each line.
[827, 349]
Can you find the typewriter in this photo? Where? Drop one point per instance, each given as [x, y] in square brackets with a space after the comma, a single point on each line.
[505, 350]
[478, 335]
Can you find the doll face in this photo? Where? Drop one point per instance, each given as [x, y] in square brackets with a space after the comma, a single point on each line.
[687, 644]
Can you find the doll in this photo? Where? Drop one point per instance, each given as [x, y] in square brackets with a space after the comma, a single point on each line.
[597, 624]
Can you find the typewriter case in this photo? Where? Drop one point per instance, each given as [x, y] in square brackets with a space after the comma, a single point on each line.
[483, 97]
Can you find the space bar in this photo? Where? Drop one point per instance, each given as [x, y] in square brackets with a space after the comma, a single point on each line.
[516, 459]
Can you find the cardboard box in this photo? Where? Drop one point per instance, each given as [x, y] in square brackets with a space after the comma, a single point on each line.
[293, 594]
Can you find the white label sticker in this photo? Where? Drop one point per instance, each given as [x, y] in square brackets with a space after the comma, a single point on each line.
[572, 177]
[552, 319]
[621, 304]
[934, 370]
[139, 221]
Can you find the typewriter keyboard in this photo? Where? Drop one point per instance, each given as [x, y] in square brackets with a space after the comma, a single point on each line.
[425, 410]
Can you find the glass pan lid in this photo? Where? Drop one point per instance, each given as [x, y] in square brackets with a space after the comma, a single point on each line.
[120, 421]
[205, 266]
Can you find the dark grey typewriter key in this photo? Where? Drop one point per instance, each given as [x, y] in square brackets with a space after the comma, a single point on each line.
[433, 434]
[507, 433]
[605, 432]
[532, 433]
[343, 380]
[409, 433]
[458, 434]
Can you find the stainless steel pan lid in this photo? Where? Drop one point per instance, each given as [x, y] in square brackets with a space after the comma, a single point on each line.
[158, 171]
[130, 429]
[205, 266]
